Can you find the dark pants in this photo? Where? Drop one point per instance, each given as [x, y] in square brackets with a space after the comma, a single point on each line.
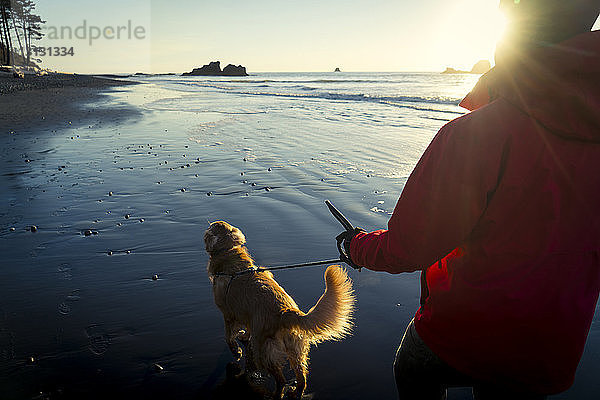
[421, 375]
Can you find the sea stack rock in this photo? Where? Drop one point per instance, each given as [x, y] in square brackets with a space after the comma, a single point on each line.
[214, 69]
[232, 70]
[337, 69]
[481, 67]
[450, 70]
[210, 69]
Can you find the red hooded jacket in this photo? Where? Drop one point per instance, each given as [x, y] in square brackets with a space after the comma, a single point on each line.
[503, 213]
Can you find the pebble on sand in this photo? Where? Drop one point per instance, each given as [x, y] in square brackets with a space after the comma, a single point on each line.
[158, 368]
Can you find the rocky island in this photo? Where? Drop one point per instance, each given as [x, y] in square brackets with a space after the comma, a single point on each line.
[480, 67]
[214, 69]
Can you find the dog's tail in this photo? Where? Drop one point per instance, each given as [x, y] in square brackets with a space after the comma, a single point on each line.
[331, 317]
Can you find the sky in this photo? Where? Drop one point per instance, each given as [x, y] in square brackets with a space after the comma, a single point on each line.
[157, 36]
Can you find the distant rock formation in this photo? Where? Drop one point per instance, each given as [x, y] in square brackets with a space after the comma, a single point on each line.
[480, 67]
[214, 69]
[232, 70]
[337, 70]
[450, 70]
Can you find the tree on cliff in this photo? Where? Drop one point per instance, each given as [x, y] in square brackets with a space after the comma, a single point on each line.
[18, 21]
[5, 36]
[27, 25]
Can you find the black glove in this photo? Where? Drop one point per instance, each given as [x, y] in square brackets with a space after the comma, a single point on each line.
[343, 244]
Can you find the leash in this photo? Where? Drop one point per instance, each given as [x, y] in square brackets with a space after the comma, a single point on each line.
[340, 239]
[274, 268]
[344, 258]
[308, 264]
[263, 269]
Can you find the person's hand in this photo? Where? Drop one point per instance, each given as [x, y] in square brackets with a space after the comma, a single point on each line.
[343, 242]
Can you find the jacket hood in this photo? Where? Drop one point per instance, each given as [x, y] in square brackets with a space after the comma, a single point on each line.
[558, 86]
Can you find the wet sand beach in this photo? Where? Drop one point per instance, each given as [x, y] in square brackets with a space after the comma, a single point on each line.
[40, 101]
[106, 191]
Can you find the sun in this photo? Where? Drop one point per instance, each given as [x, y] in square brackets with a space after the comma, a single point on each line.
[468, 31]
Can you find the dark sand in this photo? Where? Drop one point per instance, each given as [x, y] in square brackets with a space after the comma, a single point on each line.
[40, 101]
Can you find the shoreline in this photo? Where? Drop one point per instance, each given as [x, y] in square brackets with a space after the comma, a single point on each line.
[56, 80]
[39, 102]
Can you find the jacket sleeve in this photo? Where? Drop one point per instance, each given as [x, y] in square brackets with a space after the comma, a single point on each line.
[441, 203]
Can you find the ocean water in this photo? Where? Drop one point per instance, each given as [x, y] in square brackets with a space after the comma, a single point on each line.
[146, 168]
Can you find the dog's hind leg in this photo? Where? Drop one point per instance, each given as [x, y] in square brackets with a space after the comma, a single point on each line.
[277, 373]
[271, 356]
[299, 363]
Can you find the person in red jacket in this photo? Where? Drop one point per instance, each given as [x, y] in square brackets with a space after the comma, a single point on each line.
[502, 216]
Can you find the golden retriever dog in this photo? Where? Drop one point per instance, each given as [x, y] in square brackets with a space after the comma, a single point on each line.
[257, 309]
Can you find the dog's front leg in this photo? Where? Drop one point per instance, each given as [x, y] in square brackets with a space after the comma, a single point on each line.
[250, 365]
[230, 336]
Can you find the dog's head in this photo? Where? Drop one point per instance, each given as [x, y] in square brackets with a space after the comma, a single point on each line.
[221, 236]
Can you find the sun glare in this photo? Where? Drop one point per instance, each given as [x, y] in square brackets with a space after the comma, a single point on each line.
[468, 31]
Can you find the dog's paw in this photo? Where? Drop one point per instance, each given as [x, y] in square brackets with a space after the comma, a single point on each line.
[294, 395]
[233, 369]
